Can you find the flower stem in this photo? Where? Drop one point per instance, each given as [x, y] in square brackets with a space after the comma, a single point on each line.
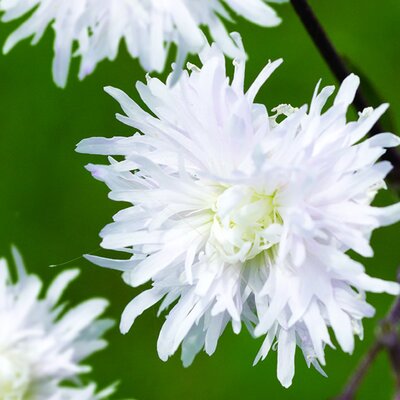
[388, 340]
[356, 379]
[338, 68]
[391, 340]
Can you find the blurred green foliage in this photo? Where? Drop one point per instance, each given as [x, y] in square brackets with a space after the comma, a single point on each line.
[53, 210]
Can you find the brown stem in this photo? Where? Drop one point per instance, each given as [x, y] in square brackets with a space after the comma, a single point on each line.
[359, 374]
[394, 356]
[390, 339]
[387, 339]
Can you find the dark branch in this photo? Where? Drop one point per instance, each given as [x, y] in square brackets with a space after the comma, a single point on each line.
[356, 379]
[388, 340]
[339, 69]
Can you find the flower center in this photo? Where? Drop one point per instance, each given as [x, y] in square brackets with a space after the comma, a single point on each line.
[246, 223]
[14, 375]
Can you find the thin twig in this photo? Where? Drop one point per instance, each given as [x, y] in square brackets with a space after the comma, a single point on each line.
[359, 374]
[390, 339]
[394, 357]
[339, 69]
[394, 314]
[387, 339]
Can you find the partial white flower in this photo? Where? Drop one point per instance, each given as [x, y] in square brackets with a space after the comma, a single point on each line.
[94, 29]
[237, 218]
[42, 344]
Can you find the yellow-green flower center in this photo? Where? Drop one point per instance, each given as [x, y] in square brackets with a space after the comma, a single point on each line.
[246, 222]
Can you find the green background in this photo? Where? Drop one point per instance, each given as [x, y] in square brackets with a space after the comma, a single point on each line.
[52, 209]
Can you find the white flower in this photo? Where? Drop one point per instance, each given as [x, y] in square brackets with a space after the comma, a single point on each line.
[41, 343]
[93, 29]
[238, 218]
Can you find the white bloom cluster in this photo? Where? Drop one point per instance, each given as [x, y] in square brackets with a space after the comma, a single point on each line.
[42, 344]
[241, 217]
[93, 29]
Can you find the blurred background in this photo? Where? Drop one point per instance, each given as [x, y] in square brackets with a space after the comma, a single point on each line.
[52, 209]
